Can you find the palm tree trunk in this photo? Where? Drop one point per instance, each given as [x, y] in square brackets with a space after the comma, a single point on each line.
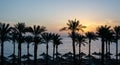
[53, 53]
[102, 49]
[117, 51]
[109, 50]
[109, 46]
[28, 53]
[89, 47]
[106, 46]
[14, 48]
[57, 53]
[79, 53]
[73, 44]
[73, 52]
[106, 51]
[14, 53]
[2, 53]
[20, 53]
[47, 54]
[89, 50]
[35, 54]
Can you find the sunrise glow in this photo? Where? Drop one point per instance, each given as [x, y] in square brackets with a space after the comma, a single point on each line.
[55, 14]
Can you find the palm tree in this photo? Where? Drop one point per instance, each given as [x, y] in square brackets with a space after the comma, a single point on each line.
[28, 39]
[47, 37]
[37, 40]
[73, 26]
[102, 33]
[4, 35]
[36, 31]
[56, 41]
[116, 30]
[13, 37]
[80, 39]
[20, 29]
[91, 36]
[109, 39]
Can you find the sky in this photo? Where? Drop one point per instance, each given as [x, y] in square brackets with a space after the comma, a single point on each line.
[54, 14]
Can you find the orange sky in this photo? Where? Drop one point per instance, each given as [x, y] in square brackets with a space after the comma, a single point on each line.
[54, 14]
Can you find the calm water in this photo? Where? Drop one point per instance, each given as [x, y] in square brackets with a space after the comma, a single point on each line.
[63, 48]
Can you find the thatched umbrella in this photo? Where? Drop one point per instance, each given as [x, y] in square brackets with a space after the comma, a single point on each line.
[30, 55]
[24, 56]
[67, 54]
[12, 55]
[97, 54]
[58, 54]
[108, 53]
[45, 55]
[81, 54]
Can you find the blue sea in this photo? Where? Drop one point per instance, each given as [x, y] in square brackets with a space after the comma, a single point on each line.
[63, 48]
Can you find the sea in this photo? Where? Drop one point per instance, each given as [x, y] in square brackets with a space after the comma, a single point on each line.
[62, 48]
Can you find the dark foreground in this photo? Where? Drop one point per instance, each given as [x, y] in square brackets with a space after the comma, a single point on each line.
[65, 62]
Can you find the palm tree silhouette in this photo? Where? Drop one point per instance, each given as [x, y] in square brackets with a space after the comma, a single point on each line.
[116, 30]
[20, 29]
[37, 40]
[13, 36]
[80, 39]
[4, 35]
[102, 33]
[28, 40]
[56, 41]
[109, 38]
[47, 37]
[36, 31]
[73, 26]
[91, 36]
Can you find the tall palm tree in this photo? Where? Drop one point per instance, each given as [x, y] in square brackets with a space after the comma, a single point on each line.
[36, 31]
[102, 33]
[47, 37]
[91, 36]
[37, 40]
[80, 39]
[20, 29]
[116, 30]
[56, 41]
[4, 35]
[28, 40]
[109, 39]
[13, 37]
[73, 26]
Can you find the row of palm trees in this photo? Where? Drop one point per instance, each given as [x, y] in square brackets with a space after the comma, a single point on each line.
[106, 33]
[20, 34]
[37, 34]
